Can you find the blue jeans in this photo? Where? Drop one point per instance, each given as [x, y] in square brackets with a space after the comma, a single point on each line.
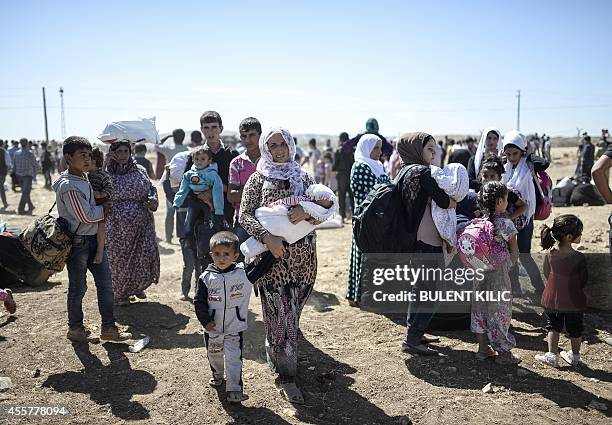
[79, 261]
[26, 188]
[524, 245]
[420, 313]
[190, 259]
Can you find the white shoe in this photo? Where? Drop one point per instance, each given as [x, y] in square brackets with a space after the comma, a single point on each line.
[571, 358]
[551, 359]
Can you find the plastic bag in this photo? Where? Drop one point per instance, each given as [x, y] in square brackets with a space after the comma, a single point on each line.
[140, 131]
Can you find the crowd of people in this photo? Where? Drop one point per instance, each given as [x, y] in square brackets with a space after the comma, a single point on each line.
[215, 200]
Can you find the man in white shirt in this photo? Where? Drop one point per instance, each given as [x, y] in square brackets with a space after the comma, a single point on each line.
[165, 153]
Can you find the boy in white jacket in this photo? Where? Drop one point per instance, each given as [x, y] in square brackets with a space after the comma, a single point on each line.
[221, 305]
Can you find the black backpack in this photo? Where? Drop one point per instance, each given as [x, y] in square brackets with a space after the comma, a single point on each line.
[586, 193]
[380, 226]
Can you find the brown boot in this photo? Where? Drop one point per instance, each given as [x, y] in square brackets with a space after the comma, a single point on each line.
[81, 334]
[112, 333]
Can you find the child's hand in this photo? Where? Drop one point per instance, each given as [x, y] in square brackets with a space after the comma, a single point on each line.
[210, 326]
[452, 203]
[107, 207]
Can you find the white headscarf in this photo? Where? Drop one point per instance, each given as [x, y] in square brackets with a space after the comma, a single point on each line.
[289, 170]
[366, 143]
[482, 146]
[520, 177]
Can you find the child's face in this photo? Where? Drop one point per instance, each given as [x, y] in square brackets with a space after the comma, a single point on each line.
[491, 142]
[80, 161]
[250, 140]
[201, 161]
[502, 204]
[212, 131]
[278, 148]
[514, 155]
[223, 256]
[489, 176]
[429, 152]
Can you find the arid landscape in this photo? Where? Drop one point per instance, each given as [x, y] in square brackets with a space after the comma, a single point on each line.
[351, 369]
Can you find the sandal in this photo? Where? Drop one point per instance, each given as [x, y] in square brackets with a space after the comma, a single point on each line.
[291, 393]
[483, 355]
[9, 303]
[236, 396]
[507, 358]
[215, 382]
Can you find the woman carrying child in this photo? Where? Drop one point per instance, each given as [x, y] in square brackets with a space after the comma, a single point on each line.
[367, 170]
[418, 188]
[563, 299]
[284, 288]
[132, 247]
[491, 319]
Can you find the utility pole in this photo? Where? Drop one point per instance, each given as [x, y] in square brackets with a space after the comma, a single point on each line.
[45, 110]
[518, 112]
[61, 92]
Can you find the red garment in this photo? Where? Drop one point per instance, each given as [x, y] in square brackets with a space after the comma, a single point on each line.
[566, 274]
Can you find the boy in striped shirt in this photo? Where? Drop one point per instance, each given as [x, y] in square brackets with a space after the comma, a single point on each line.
[76, 204]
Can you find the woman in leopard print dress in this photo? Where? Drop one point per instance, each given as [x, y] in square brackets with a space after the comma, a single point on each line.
[286, 286]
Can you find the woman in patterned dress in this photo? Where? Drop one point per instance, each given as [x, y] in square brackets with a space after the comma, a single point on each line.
[133, 255]
[286, 286]
[367, 171]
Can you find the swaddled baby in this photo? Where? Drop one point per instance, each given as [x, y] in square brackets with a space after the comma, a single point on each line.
[452, 179]
[318, 201]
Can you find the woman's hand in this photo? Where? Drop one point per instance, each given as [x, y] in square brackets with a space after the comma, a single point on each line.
[152, 204]
[452, 203]
[297, 214]
[275, 245]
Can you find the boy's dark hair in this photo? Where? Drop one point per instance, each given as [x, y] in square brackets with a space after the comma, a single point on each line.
[97, 156]
[23, 142]
[250, 123]
[196, 137]
[74, 143]
[178, 136]
[492, 163]
[344, 136]
[488, 196]
[566, 224]
[141, 147]
[328, 155]
[210, 117]
[312, 142]
[202, 149]
[225, 238]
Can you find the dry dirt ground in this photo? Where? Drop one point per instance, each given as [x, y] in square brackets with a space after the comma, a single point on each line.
[351, 368]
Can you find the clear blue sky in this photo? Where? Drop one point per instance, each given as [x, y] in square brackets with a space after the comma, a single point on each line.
[312, 66]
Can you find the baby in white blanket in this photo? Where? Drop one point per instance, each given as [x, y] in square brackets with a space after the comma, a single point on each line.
[452, 179]
[318, 201]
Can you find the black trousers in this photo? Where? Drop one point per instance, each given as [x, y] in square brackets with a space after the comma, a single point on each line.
[344, 187]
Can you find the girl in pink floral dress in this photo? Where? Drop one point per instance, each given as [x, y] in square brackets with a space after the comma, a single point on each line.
[491, 319]
[133, 254]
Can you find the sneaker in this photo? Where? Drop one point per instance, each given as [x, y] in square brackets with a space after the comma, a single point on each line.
[551, 359]
[507, 358]
[141, 295]
[184, 297]
[570, 357]
[112, 333]
[80, 334]
[420, 349]
[215, 382]
[9, 302]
